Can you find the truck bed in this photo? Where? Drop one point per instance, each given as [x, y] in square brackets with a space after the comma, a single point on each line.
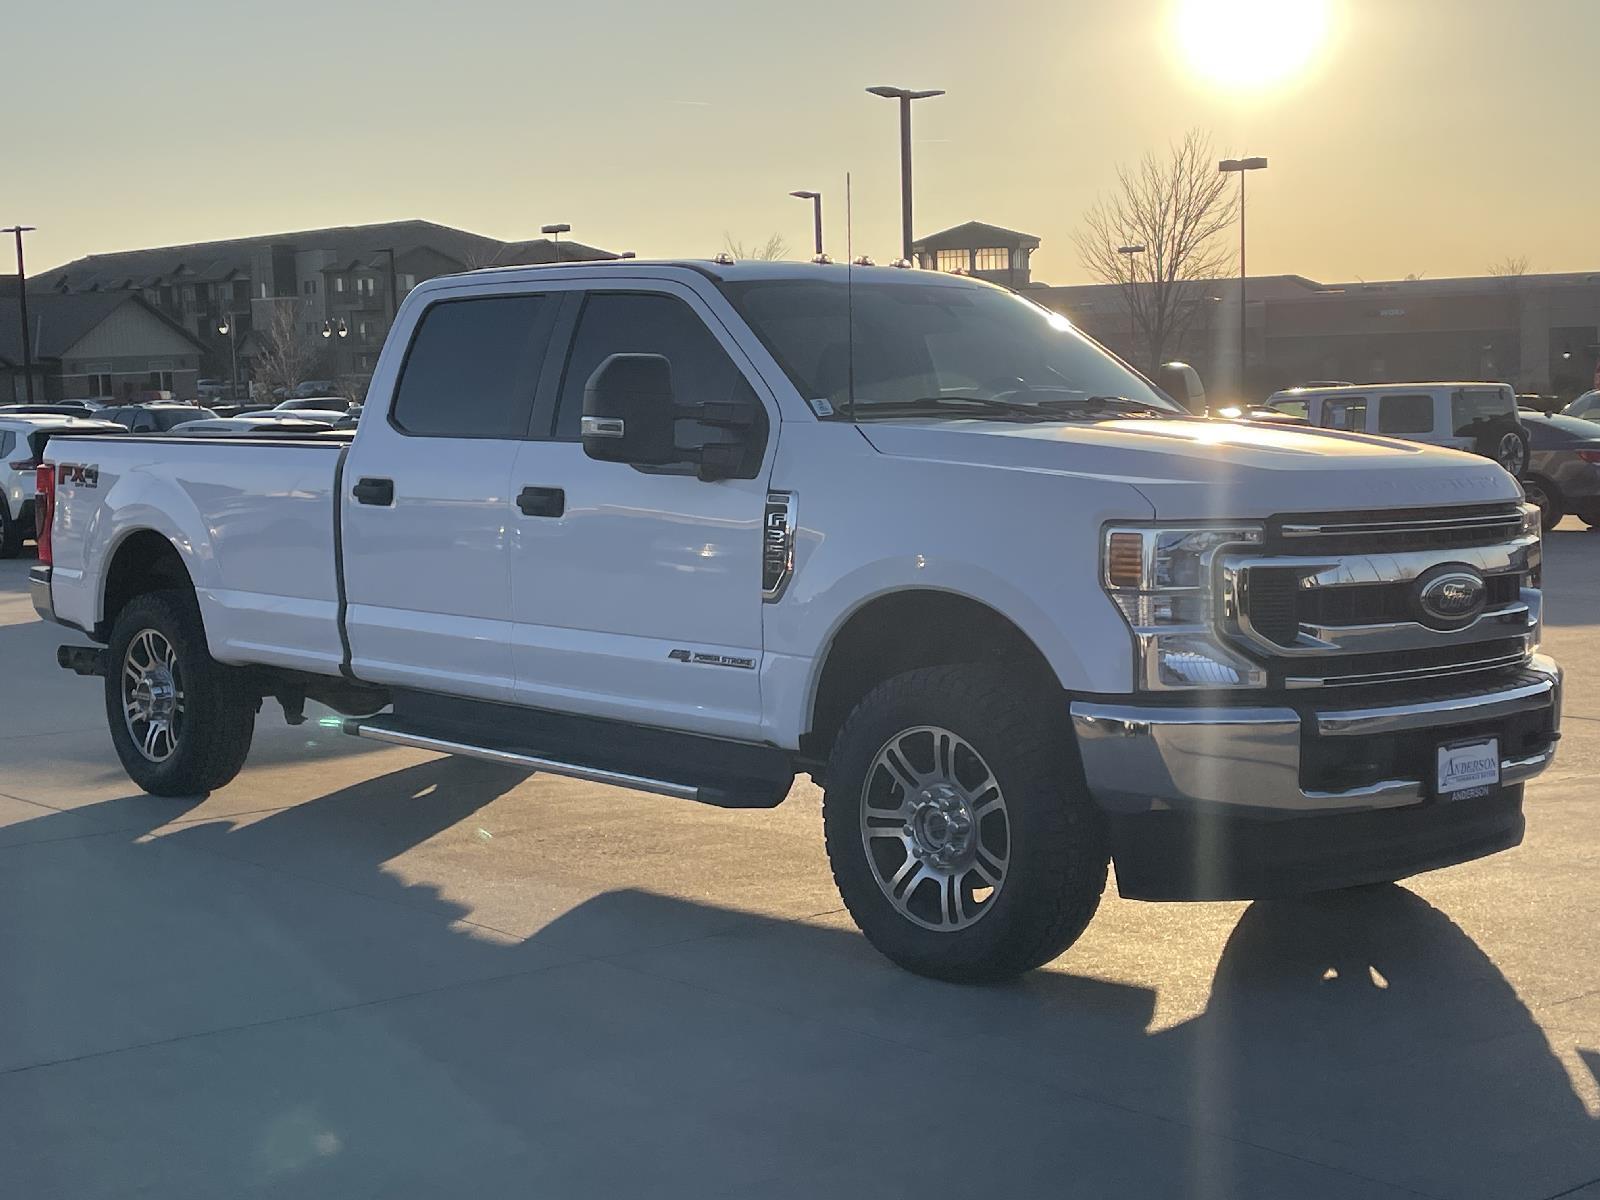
[252, 516]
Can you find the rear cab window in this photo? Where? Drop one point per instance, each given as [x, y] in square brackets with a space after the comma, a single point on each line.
[472, 366]
[1476, 411]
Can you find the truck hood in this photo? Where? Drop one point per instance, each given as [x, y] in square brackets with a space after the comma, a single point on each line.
[1195, 468]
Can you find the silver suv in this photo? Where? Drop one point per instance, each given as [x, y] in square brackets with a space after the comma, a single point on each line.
[1477, 417]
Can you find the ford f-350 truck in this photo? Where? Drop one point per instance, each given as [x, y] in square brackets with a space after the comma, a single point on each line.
[694, 527]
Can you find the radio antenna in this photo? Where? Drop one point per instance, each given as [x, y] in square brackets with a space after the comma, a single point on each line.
[850, 298]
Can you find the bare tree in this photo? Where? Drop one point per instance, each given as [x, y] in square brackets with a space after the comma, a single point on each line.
[287, 354]
[771, 250]
[1173, 205]
[1509, 267]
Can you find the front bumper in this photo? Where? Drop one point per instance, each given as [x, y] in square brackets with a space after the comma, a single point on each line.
[1242, 802]
[39, 591]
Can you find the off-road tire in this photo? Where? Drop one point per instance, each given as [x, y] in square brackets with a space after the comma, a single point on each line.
[1059, 850]
[218, 716]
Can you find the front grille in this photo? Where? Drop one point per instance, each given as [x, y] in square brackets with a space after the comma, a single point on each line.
[1333, 598]
[1396, 531]
[1278, 607]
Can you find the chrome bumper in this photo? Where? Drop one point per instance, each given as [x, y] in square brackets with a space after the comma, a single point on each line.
[1142, 758]
[39, 591]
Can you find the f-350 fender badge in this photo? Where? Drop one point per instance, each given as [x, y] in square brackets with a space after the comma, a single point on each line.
[777, 545]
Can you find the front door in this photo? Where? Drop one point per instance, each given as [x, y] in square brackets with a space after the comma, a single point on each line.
[637, 593]
[427, 505]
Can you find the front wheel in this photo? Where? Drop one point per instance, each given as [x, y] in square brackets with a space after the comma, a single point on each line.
[180, 723]
[959, 831]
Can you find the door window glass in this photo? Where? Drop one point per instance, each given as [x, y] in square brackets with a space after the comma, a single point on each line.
[472, 367]
[1347, 412]
[8, 442]
[1405, 414]
[643, 323]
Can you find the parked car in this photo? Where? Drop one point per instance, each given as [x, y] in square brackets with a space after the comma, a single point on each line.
[219, 426]
[155, 418]
[328, 415]
[1478, 417]
[22, 439]
[1586, 406]
[1563, 473]
[1015, 611]
[325, 403]
[314, 387]
[62, 408]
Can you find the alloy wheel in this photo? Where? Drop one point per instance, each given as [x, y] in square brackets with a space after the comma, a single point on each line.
[152, 695]
[935, 828]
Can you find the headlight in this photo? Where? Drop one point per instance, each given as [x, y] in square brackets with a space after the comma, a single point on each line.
[1160, 577]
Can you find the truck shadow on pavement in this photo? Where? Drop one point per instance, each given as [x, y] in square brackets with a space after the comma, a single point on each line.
[265, 1008]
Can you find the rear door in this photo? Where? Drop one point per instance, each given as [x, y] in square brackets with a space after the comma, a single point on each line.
[637, 592]
[427, 499]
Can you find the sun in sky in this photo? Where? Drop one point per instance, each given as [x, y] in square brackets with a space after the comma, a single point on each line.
[1249, 45]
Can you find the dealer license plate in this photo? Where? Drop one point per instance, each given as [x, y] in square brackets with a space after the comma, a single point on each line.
[1469, 766]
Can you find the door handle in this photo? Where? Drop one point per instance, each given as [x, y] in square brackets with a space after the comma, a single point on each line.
[542, 501]
[373, 491]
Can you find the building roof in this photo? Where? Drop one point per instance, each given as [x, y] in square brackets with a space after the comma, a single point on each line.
[974, 235]
[58, 322]
[212, 261]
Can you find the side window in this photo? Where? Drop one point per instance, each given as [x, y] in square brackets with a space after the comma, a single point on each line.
[644, 323]
[472, 366]
[1405, 414]
[1477, 410]
[8, 442]
[1345, 412]
[143, 422]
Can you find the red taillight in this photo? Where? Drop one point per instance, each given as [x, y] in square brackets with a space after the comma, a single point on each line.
[44, 509]
[1589, 456]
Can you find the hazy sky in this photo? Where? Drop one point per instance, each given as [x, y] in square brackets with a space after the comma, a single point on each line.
[1433, 136]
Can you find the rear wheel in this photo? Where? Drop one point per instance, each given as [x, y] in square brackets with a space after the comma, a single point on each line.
[179, 721]
[1547, 498]
[10, 532]
[960, 834]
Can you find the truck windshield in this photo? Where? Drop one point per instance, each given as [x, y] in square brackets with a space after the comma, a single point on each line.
[932, 343]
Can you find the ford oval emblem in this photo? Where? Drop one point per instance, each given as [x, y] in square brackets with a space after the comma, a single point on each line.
[1453, 596]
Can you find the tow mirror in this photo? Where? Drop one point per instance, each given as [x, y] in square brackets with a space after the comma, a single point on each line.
[631, 415]
[628, 411]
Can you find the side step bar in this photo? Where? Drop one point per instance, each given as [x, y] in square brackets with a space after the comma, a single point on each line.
[390, 729]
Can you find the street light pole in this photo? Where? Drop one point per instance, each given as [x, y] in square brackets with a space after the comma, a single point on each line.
[1239, 166]
[228, 328]
[816, 215]
[905, 96]
[22, 310]
[554, 232]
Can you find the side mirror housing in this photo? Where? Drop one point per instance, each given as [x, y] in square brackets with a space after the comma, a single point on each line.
[1182, 382]
[629, 415]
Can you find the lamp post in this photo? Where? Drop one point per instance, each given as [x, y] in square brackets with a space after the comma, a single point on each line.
[22, 310]
[229, 329]
[905, 96]
[816, 215]
[1239, 166]
[554, 232]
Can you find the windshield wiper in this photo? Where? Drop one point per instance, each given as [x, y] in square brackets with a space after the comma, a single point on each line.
[952, 406]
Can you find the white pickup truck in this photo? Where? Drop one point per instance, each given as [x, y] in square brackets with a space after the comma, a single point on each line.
[692, 528]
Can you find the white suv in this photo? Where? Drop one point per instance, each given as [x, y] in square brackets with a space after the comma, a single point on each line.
[20, 446]
[1477, 417]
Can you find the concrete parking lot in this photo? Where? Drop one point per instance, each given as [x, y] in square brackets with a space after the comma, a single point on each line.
[374, 972]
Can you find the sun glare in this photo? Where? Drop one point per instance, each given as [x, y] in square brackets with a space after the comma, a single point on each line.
[1249, 44]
